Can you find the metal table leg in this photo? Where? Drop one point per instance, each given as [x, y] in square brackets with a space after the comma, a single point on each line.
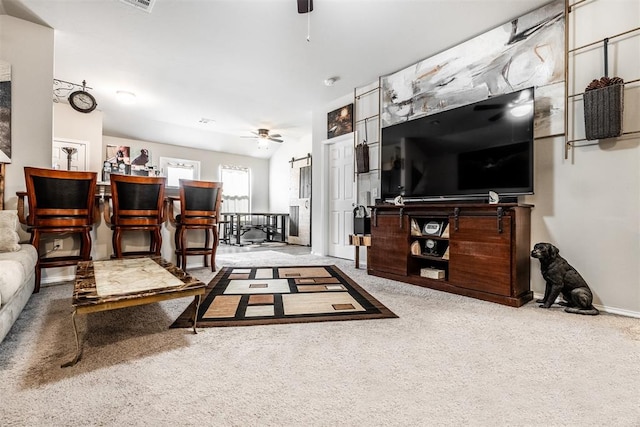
[195, 312]
[78, 348]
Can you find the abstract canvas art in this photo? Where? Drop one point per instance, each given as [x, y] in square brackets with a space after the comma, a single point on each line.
[5, 112]
[340, 121]
[528, 51]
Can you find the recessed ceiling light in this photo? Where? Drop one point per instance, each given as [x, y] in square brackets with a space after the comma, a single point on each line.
[126, 97]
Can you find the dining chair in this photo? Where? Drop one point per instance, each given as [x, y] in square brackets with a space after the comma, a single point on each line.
[199, 210]
[136, 204]
[58, 203]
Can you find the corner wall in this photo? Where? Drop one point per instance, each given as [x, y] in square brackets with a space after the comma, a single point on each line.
[29, 49]
[279, 168]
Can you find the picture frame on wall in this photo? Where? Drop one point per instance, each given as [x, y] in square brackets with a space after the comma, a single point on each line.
[340, 121]
[5, 112]
[120, 158]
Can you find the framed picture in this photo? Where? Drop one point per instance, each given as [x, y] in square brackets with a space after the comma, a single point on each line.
[141, 157]
[5, 112]
[118, 154]
[340, 121]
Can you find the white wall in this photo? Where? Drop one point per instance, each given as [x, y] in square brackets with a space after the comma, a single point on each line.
[279, 171]
[29, 49]
[71, 124]
[589, 204]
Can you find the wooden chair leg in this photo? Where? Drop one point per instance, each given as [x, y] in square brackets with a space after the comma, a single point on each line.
[183, 247]
[207, 233]
[157, 241]
[35, 241]
[85, 245]
[214, 248]
[176, 241]
[116, 242]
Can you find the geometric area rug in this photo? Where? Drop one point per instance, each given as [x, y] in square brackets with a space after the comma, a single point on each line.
[246, 296]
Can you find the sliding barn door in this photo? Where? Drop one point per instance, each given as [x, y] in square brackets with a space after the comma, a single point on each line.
[300, 202]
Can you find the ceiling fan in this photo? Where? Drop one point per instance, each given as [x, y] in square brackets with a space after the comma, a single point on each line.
[263, 136]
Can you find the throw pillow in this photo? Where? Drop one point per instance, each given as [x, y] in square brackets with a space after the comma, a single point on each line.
[9, 238]
[9, 219]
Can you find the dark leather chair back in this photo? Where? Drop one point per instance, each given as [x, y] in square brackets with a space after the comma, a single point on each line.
[60, 198]
[137, 200]
[199, 202]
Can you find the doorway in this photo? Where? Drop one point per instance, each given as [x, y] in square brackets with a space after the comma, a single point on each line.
[69, 154]
[341, 196]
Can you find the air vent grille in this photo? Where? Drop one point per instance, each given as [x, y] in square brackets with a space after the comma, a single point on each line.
[145, 5]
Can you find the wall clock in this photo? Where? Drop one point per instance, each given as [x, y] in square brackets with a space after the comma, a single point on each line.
[82, 101]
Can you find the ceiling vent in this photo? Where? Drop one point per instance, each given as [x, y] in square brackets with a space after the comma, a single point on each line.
[145, 5]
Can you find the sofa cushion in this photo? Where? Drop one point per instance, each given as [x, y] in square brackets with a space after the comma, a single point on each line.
[8, 231]
[11, 278]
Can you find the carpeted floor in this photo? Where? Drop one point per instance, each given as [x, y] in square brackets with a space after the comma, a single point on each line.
[446, 360]
[246, 296]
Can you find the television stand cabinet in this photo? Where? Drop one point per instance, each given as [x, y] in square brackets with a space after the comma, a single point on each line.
[472, 249]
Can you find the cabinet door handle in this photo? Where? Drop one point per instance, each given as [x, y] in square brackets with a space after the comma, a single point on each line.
[456, 217]
[500, 212]
[401, 213]
[375, 217]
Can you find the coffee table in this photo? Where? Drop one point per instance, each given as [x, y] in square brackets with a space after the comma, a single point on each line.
[119, 283]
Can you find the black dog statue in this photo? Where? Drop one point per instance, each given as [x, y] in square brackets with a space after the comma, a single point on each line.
[560, 277]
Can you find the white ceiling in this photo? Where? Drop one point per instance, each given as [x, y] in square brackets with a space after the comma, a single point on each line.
[246, 64]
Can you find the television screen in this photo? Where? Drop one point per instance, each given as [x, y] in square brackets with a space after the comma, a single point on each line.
[463, 152]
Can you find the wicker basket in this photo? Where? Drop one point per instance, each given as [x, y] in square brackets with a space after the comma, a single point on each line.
[603, 112]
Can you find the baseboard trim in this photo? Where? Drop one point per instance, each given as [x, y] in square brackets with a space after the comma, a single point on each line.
[606, 309]
[51, 280]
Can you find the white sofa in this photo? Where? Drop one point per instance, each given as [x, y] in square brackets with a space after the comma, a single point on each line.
[17, 271]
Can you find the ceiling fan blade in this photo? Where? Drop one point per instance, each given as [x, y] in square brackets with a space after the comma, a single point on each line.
[275, 140]
[275, 135]
[305, 6]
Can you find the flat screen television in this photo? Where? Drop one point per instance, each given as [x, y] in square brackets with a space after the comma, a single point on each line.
[462, 153]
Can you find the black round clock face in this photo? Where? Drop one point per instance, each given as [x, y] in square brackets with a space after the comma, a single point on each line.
[430, 244]
[82, 101]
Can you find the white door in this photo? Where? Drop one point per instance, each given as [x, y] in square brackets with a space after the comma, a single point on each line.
[60, 158]
[341, 198]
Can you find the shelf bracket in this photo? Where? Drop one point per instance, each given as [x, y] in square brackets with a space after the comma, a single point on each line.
[500, 213]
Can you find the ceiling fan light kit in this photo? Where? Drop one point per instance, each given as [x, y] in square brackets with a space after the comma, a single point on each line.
[263, 137]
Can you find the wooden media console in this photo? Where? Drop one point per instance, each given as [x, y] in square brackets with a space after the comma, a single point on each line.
[480, 250]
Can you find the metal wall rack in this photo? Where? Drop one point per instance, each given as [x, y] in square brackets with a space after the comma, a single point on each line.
[364, 122]
[571, 143]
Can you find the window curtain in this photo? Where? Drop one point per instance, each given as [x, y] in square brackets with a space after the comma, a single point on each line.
[236, 189]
